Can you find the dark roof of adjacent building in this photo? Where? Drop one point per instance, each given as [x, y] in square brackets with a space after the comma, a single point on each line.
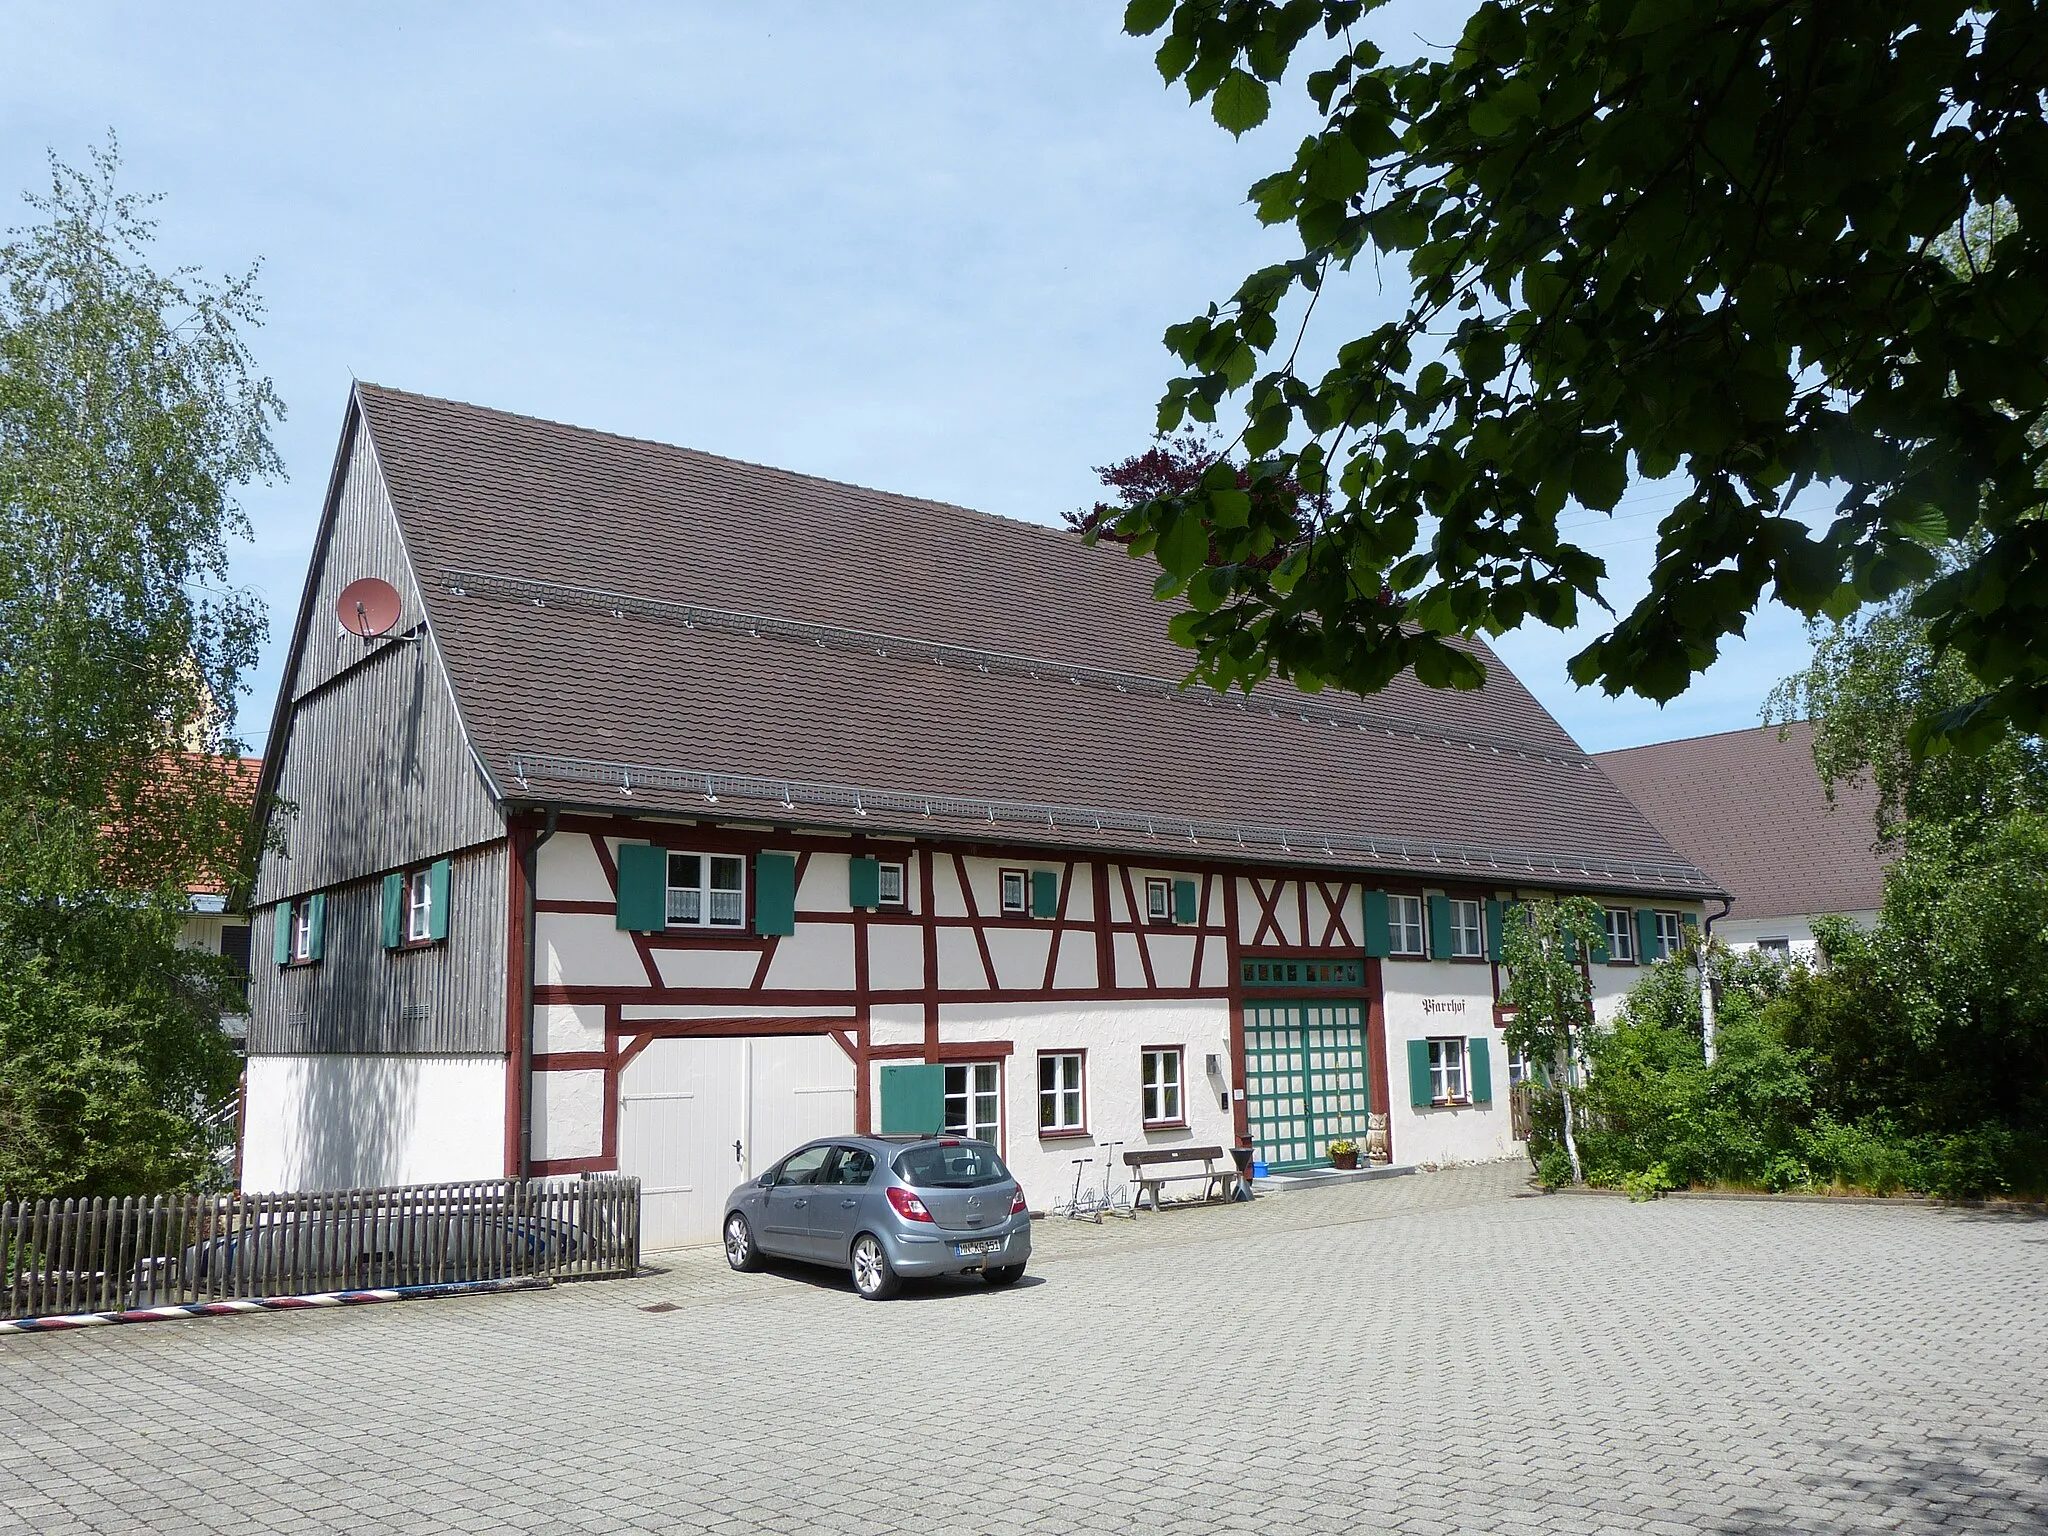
[631, 624]
[1749, 807]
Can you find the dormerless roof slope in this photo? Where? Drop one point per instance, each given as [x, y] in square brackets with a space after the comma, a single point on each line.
[1750, 809]
[631, 624]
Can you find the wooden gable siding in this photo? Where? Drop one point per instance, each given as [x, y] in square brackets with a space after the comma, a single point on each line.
[360, 998]
[371, 771]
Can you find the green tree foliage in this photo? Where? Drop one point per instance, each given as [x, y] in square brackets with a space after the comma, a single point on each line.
[1669, 238]
[129, 410]
[1544, 945]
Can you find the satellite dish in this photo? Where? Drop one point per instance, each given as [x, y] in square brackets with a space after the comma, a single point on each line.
[367, 608]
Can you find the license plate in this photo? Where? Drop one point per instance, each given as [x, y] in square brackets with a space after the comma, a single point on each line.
[987, 1245]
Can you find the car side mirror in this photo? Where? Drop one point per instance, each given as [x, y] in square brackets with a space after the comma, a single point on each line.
[767, 1179]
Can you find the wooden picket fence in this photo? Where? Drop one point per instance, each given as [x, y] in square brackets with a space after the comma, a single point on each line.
[60, 1257]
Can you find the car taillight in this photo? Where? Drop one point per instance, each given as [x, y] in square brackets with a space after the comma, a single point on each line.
[907, 1205]
[1017, 1205]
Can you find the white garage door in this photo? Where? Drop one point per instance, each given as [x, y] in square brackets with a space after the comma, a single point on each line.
[698, 1116]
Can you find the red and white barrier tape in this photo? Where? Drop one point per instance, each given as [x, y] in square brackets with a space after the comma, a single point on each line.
[271, 1304]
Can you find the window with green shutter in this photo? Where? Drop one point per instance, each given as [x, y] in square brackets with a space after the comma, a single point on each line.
[1186, 901]
[437, 915]
[1045, 893]
[643, 888]
[913, 1100]
[1441, 944]
[1479, 1069]
[394, 910]
[281, 933]
[1420, 1093]
[1647, 946]
[1379, 932]
[1496, 929]
[316, 925]
[774, 894]
[863, 882]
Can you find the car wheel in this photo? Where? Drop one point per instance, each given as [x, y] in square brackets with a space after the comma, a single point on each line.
[1002, 1275]
[740, 1251]
[873, 1275]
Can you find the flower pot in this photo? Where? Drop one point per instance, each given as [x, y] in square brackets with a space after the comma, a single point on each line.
[1344, 1159]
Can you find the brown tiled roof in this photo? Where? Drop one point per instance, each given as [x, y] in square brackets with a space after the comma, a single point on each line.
[1750, 809]
[622, 615]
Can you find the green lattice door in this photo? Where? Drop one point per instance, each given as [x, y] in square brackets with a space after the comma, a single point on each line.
[1306, 1082]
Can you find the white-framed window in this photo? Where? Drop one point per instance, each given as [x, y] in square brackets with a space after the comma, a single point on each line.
[1404, 924]
[1161, 1075]
[1621, 934]
[889, 885]
[1060, 1107]
[1447, 1071]
[974, 1100]
[1670, 934]
[1775, 946]
[302, 930]
[1159, 900]
[707, 890]
[1016, 892]
[419, 907]
[1468, 931]
[1520, 1068]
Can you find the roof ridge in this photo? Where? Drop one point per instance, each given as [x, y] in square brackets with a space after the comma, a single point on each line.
[1680, 741]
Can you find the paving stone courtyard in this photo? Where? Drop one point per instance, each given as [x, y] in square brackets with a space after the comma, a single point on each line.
[1441, 1352]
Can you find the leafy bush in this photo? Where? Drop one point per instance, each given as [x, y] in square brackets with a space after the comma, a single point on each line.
[1554, 1169]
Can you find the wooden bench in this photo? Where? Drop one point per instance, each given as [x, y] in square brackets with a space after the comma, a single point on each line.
[1145, 1167]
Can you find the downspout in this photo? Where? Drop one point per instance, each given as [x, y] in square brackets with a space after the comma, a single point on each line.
[1707, 975]
[532, 861]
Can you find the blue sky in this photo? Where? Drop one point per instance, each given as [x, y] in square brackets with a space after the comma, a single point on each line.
[922, 247]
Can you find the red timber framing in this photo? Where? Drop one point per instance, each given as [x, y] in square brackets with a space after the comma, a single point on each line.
[1321, 927]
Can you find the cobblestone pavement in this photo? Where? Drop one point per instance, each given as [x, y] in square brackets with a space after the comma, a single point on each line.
[1421, 1354]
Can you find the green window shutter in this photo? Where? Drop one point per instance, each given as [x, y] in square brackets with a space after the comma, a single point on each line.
[643, 888]
[913, 1100]
[1496, 929]
[281, 933]
[394, 910]
[1600, 954]
[1045, 893]
[316, 936]
[1479, 1069]
[863, 882]
[1689, 919]
[1418, 1074]
[1379, 932]
[774, 893]
[1571, 947]
[1185, 897]
[1440, 945]
[1646, 935]
[437, 886]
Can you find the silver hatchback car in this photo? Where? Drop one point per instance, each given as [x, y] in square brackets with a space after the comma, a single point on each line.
[885, 1208]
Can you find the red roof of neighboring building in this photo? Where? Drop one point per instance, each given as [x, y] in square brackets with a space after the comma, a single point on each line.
[1749, 808]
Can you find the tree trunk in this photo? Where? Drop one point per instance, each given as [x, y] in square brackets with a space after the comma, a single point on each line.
[1571, 1141]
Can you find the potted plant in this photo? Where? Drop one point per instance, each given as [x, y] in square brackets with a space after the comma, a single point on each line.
[1344, 1153]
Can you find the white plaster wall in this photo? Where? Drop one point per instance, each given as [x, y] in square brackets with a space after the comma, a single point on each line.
[1426, 999]
[817, 955]
[1743, 933]
[1020, 955]
[960, 967]
[351, 1122]
[567, 869]
[705, 967]
[1076, 964]
[569, 1027]
[895, 956]
[586, 949]
[1113, 1034]
[568, 1115]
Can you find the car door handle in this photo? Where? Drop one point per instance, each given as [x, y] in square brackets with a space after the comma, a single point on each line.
[800, 1204]
[847, 1205]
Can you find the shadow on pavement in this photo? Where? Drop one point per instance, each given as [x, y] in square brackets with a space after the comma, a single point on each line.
[1938, 1485]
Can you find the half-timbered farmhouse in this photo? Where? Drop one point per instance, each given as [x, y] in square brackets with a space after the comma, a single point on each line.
[686, 798]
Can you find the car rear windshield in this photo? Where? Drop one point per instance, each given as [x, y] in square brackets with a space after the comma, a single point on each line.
[950, 1165]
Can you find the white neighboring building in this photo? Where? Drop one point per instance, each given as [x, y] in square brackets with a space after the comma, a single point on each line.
[1749, 808]
[689, 809]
